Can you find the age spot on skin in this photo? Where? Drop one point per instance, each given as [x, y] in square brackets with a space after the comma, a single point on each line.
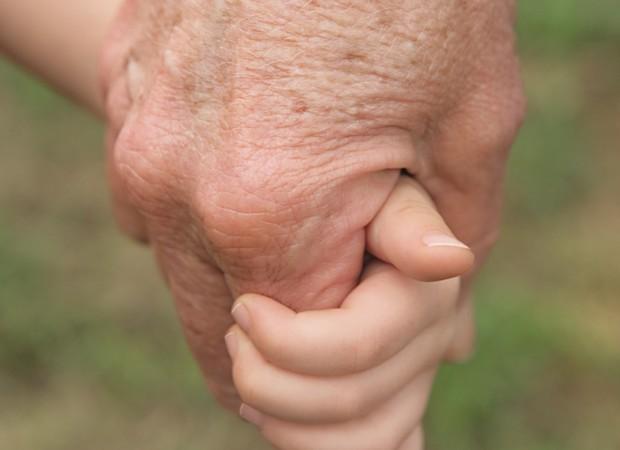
[301, 107]
[355, 56]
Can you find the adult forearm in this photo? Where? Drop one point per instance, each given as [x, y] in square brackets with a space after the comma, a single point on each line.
[59, 41]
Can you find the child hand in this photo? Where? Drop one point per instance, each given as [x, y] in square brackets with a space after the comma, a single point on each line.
[357, 377]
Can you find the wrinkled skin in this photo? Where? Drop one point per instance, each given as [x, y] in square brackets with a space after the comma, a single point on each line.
[251, 143]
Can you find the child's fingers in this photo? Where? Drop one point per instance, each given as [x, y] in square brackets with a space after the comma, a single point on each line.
[410, 234]
[378, 319]
[308, 399]
[385, 429]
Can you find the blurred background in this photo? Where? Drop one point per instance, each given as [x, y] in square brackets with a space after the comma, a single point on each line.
[91, 355]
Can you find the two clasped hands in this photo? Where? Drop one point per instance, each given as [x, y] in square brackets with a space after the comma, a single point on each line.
[328, 171]
[359, 376]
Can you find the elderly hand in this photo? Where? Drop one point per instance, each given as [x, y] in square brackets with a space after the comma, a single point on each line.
[251, 143]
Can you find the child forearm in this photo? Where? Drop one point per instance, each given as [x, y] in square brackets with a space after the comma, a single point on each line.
[59, 41]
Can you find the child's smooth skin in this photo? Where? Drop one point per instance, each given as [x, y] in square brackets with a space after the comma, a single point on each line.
[357, 377]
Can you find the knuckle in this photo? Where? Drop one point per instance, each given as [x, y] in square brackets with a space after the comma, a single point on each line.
[491, 119]
[142, 165]
[496, 137]
[501, 132]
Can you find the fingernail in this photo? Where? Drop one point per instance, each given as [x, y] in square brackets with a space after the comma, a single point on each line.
[251, 415]
[242, 316]
[231, 344]
[442, 240]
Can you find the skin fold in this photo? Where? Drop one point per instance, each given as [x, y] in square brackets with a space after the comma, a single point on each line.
[252, 143]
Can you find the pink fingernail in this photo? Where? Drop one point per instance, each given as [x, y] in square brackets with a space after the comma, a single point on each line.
[242, 316]
[251, 415]
[231, 344]
[442, 240]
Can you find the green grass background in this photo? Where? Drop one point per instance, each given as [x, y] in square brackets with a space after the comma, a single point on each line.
[91, 356]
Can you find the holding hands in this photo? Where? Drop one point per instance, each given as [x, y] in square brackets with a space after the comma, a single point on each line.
[252, 144]
[357, 377]
[258, 146]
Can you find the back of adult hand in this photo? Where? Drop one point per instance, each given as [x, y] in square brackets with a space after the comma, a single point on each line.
[252, 142]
